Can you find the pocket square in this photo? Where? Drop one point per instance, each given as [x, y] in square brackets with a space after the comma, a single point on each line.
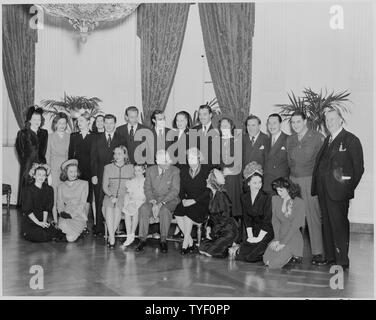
[341, 148]
[346, 177]
[283, 148]
[262, 147]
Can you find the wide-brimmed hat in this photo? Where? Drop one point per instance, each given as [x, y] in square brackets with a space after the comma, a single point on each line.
[69, 162]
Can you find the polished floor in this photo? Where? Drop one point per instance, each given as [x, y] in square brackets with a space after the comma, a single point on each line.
[88, 268]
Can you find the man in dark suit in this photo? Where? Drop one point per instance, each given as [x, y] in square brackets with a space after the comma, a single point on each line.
[102, 154]
[162, 186]
[276, 163]
[256, 144]
[338, 169]
[163, 138]
[206, 135]
[127, 133]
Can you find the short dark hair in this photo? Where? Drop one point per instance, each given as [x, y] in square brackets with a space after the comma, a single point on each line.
[64, 174]
[131, 108]
[155, 112]
[293, 189]
[299, 113]
[110, 116]
[230, 121]
[250, 117]
[205, 106]
[275, 115]
[186, 115]
[60, 115]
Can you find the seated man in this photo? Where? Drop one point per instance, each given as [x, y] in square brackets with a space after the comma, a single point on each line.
[162, 186]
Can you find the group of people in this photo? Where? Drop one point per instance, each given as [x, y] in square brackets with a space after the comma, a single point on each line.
[250, 193]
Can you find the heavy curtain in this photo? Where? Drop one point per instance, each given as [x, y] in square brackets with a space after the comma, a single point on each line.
[161, 28]
[228, 31]
[19, 58]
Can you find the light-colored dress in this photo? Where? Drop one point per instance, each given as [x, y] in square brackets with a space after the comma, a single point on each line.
[57, 153]
[135, 196]
[287, 232]
[72, 199]
[114, 184]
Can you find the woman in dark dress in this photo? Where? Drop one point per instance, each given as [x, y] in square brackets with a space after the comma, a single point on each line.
[79, 148]
[257, 216]
[98, 124]
[181, 125]
[36, 206]
[222, 229]
[194, 196]
[31, 146]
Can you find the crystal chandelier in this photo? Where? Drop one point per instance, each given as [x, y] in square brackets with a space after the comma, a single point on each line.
[86, 17]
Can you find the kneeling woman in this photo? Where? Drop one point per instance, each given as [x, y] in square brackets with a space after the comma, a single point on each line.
[223, 228]
[37, 204]
[71, 201]
[288, 217]
[115, 187]
[257, 216]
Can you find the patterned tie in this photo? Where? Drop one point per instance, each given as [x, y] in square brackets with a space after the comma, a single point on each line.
[253, 140]
[109, 140]
[132, 131]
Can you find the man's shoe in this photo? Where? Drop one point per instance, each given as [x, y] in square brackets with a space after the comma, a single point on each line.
[140, 247]
[319, 260]
[163, 246]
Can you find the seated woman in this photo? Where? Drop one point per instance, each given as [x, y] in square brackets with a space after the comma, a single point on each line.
[223, 228]
[37, 204]
[257, 216]
[115, 178]
[288, 217]
[194, 196]
[71, 201]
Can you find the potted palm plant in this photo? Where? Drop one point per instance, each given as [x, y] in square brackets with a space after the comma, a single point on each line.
[73, 106]
[314, 105]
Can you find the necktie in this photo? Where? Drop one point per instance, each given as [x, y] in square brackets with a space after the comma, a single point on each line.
[253, 140]
[160, 133]
[132, 131]
[273, 141]
[109, 140]
[204, 129]
[330, 140]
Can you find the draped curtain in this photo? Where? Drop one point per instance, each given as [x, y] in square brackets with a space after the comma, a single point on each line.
[228, 31]
[161, 28]
[19, 58]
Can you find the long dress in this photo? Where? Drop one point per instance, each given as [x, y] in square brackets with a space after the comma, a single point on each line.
[287, 232]
[80, 149]
[258, 216]
[31, 147]
[114, 184]
[35, 201]
[134, 196]
[233, 182]
[72, 200]
[224, 230]
[194, 188]
[57, 153]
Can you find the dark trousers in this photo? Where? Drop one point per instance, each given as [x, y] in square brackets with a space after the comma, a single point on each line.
[336, 227]
[99, 196]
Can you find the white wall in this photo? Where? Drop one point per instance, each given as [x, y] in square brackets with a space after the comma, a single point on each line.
[293, 48]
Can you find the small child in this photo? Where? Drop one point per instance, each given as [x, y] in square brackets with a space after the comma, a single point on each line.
[133, 200]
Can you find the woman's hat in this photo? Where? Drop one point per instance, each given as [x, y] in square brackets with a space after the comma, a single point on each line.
[68, 163]
[252, 168]
[35, 166]
[32, 110]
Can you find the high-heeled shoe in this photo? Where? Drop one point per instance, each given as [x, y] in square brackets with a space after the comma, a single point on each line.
[184, 251]
[192, 249]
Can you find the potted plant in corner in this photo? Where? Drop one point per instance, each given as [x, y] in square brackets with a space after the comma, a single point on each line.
[73, 106]
[314, 104]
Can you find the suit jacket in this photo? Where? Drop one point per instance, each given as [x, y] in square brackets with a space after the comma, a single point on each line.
[208, 154]
[346, 166]
[258, 215]
[101, 153]
[162, 188]
[180, 147]
[161, 143]
[276, 162]
[80, 149]
[258, 151]
[127, 140]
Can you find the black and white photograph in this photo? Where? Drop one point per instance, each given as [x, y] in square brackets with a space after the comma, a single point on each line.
[188, 150]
